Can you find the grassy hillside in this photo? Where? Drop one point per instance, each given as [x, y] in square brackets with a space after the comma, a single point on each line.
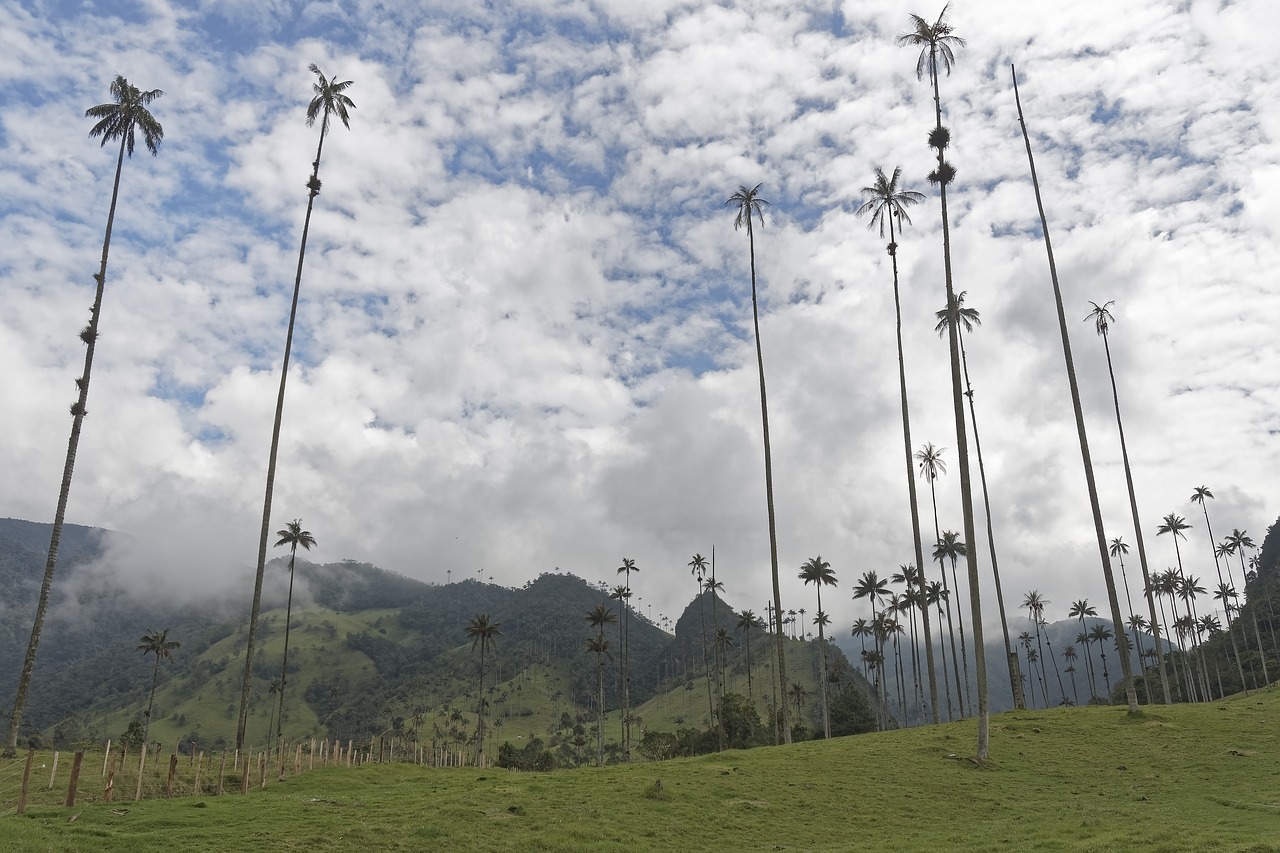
[1188, 777]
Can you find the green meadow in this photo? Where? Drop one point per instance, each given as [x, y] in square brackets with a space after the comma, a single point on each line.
[1182, 778]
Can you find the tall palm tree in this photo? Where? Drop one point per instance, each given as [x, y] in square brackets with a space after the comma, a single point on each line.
[1113, 598]
[911, 602]
[886, 203]
[1079, 610]
[930, 463]
[950, 547]
[598, 617]
[1138, 625]
[698, 567]
[330, 100]
[1102, 320]
[294, 536]
[122, 119]
[746, 621]
[483, 634]
[1200, 496]
[628, 566]
[1069, 655]
[862, 630]
[155, 643]
[749, 205]
[969, 319]
[818, 572]
[1035, 604]
[1100, 634]
[936, 596]
[936, 42]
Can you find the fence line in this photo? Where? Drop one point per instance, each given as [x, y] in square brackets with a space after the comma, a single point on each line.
[144, 774]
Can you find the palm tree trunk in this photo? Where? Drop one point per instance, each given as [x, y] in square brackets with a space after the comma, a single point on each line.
[768, 487]
[1227, 609]
[964, 652]
[822, 663]
[942, 570]
[78, 411]
[706, 667]
[911, 480]
[1122, 639]
[1011, 659]
[1137, 530]
[151, 703]
[313, 187]
[284, 666]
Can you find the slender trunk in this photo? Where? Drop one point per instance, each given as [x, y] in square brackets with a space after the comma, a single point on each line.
[1075, 695]
[964, 652]
[911, 481]
[78, 411]
[715, 642]
[942, 570]
[750, 695]
[1062, 691]
[600, 704]
[1218, 566]
[1011, 659]
[822, 675]
[1137, 530]
[284, 666]
[768, 487]
[1122, 639]
[151, 703]
[1253, 612]
[313, 188]
[480, 712]
[706, 667]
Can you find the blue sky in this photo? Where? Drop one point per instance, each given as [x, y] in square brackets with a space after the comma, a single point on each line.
[524, 338]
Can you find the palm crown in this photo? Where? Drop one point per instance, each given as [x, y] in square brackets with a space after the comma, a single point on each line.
[935, 41]
[128, 113]
[748, 203]
[1101, 316]
[885, 200]
[329, 100]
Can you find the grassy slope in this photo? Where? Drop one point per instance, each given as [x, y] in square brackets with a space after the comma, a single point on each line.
[1204, 777]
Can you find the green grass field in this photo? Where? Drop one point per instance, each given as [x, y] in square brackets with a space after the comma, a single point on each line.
[1186, 778]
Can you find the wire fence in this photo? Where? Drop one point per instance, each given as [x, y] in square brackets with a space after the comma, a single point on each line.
[114, 774]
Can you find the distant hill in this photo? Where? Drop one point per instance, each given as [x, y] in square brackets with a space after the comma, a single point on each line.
[371, 652]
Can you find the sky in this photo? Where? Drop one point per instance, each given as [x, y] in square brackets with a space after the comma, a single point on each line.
[524, 340]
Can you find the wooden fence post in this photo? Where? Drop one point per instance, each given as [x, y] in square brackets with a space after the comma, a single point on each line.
[297, 759]
[222, 772]
[173, 771]
[53, 772]
[349, 745]
[75, 778]
[244, 777]
[26, 778]
[195, 786]
[106, 757]
[111, 786]
[280, 748]
[311, 762]
[262, 770]
[142, 764]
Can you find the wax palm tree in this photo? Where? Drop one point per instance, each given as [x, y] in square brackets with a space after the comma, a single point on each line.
[1202, 495]
[698, 567]
[155, 643]
[749, 205]
[1240, 541]
[1138, 625]
[887, 204]
[330, 100]
[1102, 320]
[294, 536]
[1173, 525]
[746, 621]
[628, 566]
[1069, 655]
[862, 630]
[1188, 589]
[937, 596]
[599, 646]
[1100, 633]
[1035, 604]
[910, 575]
[1113, 598]
[619, 594]
[1079, 610]
[818, 572]
[969, 319]
[936, 42]
[122, 119]
[1025, 639]
[950, 547]
[1165, 585]
[484, 635]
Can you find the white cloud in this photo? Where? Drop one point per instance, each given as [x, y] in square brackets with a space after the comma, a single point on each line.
[524, 332]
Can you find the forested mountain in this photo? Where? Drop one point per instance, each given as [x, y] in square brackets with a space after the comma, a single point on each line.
[370, 652]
